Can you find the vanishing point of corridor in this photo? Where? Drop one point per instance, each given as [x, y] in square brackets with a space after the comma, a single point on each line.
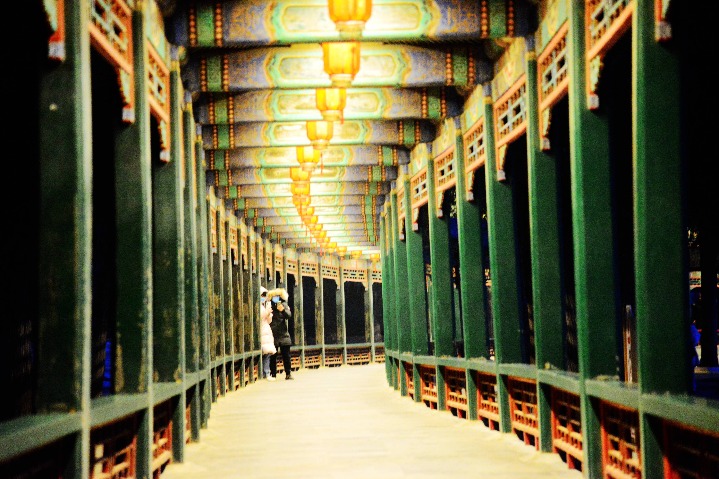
[345, 422]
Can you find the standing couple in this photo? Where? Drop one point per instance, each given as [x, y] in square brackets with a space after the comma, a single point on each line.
[274, 333]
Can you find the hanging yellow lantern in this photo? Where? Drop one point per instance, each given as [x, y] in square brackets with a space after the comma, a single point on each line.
[319, 133]
[309, 219]
[342, 249]
[308, 156]
[356, 253]
[300, 188]
[374, 257]
[319, 235]
[298, 174]
[350, 16]
[301, 200]
[306, 210]
[342, 62]
[330, 102]
[316, 228]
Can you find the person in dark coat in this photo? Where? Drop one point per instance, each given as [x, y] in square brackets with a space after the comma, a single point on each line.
[281, 315]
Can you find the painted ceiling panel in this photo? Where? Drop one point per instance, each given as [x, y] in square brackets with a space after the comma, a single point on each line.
[252, 68]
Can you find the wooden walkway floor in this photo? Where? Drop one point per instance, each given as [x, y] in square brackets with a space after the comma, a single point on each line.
[347, 422]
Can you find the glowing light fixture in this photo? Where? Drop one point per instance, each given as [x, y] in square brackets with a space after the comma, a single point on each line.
[298, 174]
[350, 16]
[300, 188]
[356, 253]
[342, 249]
[374, 257]
[319, 133]
[330, 102]
[308, 157]
[342, 62]
[301, 200]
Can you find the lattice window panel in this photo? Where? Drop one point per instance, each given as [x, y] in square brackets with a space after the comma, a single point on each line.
[444, 171]
[278, 262]
[234, 246]
[359, 355]
[455, 385]
[161, 437]
[444, 177]
[310, 269]
[331, 272]
[487, 402]
[606, 21]
[475, 151]
[428, 392]
[379, 354]
[523, 410]
[223, 238]
[510, 113]
[690, 453]
[567, 428]
[333, 357]
[292, 266]
[113, 450]
[409, 377]
[353, 274]
[243, 246]
[552, 72]
[313, 358]
[158, 88]
[620, 442]
[111, 33]
[419, 194]
[376, 275]
[213, 230]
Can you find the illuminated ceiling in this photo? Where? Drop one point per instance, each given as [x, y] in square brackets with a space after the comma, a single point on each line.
[253, 69]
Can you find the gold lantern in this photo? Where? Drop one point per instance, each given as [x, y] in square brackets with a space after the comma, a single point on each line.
[306, 210]
[308, 157]
[342, 62]
[320, 235]
[356, 253]
[350, 16]
[330, 102]
[309, 219]
[341, 249]
[298, 174]
[319, 133]
[300, 188]
[315, 228]
[374, 257]
[301, 200]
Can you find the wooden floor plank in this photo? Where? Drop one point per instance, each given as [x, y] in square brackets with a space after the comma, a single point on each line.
[346, 422]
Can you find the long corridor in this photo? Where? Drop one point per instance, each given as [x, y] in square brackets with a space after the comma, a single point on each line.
[346, 422]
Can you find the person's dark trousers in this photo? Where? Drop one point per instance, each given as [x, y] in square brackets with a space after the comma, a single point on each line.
[273, 365]
[286, 361]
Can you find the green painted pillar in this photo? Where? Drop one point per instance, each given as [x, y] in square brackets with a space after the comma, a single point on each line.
[192, 255]
[404, 320]
[471, 266]
[545, 246]
[168, 251]
[228, 306]
[134, 250]
[65, 259]
[203, 275]
[597, 308]
[387, 292]
[661, 278]
[416, 297]
[441, 275]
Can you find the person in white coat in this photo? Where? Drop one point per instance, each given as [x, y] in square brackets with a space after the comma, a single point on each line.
[267, 339]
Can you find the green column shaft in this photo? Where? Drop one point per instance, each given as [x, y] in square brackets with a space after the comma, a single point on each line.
[545, 247]
[228, 297]
[592, 222]
[661, 282]
[471, 266]
[168, 251]
[416, 297]
[441, 275]
[503, 258]
[64, 269]
[404, 324]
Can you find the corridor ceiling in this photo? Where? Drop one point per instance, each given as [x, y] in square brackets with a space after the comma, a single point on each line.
[253, 69]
